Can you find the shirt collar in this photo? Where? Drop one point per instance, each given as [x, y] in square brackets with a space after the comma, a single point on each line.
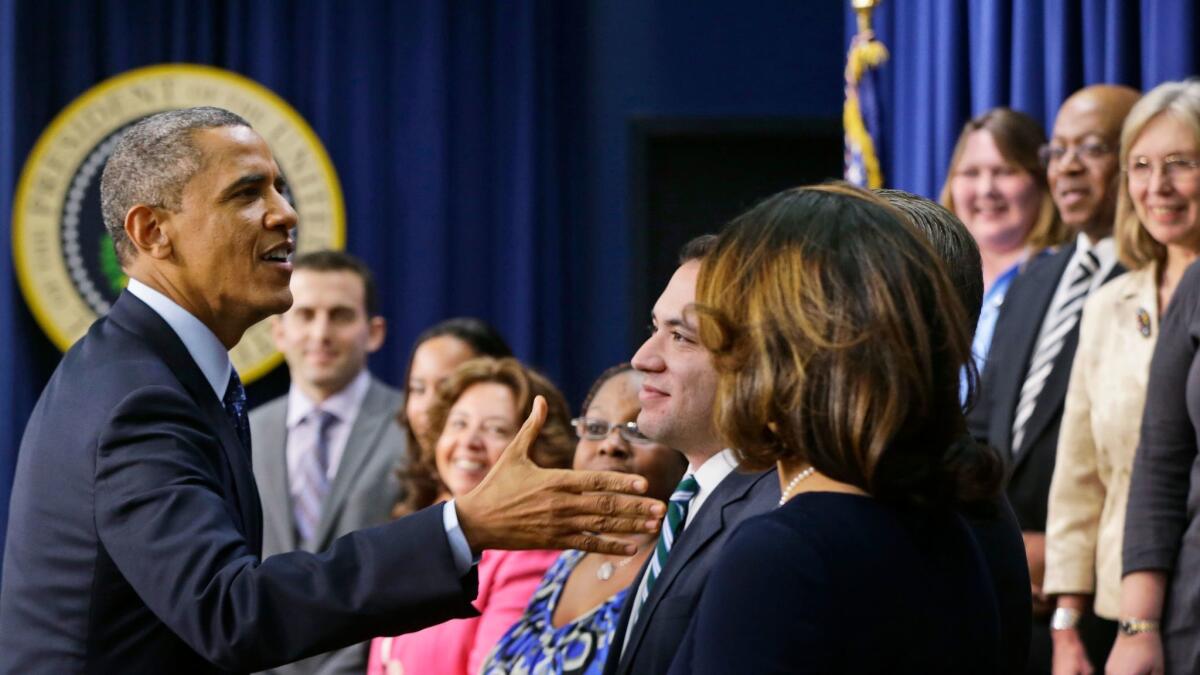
[1105, 249]
[199, 340]
[344, 404]
[714, 470]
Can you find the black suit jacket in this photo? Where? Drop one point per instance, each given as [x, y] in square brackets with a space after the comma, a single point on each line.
[664, 619]
[991, 420]
[135, 532]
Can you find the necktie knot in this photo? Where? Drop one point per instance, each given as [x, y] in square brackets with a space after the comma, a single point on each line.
[686, 490]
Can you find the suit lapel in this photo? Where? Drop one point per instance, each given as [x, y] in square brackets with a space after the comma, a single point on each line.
[707, 524]
[1016, 337]
[374, 415]
[137, 317]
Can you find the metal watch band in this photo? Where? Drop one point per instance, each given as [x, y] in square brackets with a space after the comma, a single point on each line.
[1137, 626]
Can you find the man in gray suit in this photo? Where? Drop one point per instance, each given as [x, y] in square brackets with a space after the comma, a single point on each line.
[325, 455]
[677, 399]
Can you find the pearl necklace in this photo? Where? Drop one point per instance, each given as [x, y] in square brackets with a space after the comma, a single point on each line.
[787, 491]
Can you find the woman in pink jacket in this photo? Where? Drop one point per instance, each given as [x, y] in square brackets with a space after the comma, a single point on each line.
[477, 413]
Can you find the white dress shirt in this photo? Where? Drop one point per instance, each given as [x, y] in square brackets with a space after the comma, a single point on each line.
[708, 477]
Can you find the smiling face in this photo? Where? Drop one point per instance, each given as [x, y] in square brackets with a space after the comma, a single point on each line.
[997, 200]
[680, 386]
[1168, 207]
[326, 335]
[1083, 182]
[616, 402]
[481, 423]
[432, 363]
[229, 242]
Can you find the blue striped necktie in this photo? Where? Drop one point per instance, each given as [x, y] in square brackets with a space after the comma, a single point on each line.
[313, 470]
[234, 403]
[677, 511]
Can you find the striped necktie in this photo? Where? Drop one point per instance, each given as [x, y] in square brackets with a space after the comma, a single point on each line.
[1062, 317]
[677, 511]
[313, 474]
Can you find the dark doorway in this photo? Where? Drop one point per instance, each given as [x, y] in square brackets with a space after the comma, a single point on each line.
[691, 176]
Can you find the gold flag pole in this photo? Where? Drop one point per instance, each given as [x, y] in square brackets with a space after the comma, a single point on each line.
[864, 8]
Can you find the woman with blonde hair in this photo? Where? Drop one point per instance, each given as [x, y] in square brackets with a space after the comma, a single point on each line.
[997, 187]
[475, 414]
[838, 341]
[1160, 589]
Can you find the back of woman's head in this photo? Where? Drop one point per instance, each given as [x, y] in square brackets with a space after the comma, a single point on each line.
[839, 339]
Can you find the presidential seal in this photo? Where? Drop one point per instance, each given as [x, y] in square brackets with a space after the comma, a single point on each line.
[63, 256]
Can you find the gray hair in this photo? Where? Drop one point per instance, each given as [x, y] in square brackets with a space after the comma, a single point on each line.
[152, 162]
[951, 241]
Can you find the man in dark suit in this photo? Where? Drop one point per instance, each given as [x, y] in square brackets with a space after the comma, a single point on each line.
[677, 400]
[326, 454]
[1025, 379]
[135, 529]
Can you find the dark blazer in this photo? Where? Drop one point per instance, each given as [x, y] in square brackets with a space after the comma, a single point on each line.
[664, 619]
[363, 492]
[135, 532]
[991, 420]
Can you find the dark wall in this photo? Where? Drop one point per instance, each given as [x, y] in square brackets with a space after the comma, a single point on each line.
[731, 63]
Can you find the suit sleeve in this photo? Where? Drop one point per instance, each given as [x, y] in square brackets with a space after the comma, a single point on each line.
[1157, 511]
[162, 518]
[502, 603]
[1076, 491]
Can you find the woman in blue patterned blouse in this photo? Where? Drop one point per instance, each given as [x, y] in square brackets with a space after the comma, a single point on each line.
[569, 624]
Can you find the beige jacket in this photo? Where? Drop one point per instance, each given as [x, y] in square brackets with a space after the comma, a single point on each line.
[1096, 443]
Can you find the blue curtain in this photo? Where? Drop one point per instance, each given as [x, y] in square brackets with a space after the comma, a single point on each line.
[952, 60]
[450, 124]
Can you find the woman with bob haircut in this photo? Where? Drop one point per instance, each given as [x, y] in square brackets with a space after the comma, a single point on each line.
[475, 414]
[838, 341]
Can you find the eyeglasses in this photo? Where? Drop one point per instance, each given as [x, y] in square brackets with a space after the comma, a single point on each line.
[1175, 168]
[1092, 151]
[595, 429]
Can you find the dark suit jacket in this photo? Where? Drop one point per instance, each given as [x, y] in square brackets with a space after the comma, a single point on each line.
[135, 532]
[664, 618]
[991, 420]
[362, 494]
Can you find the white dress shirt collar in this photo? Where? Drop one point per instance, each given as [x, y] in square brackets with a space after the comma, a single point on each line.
[708, 476]
[199, 340]
[344, 404]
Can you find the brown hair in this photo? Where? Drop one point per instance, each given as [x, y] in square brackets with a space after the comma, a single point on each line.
[554, 447]
[838, 340]
[1181, 100]
[1019, 137]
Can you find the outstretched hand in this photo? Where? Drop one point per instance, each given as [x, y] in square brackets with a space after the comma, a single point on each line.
[520, 505]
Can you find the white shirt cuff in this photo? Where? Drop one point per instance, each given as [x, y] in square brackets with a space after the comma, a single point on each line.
[460, 550]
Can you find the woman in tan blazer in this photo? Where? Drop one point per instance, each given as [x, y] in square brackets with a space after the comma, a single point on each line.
[1103, 410]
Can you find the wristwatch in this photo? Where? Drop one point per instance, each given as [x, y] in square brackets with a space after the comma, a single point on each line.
[1064, 618]
[1130, 626]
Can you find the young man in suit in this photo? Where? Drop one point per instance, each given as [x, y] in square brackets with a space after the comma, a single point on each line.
[135, 530]
[1025, 380]
[325, 455]
[713, 498]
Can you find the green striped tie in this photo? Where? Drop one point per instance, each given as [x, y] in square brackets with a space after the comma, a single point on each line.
[677, 511]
